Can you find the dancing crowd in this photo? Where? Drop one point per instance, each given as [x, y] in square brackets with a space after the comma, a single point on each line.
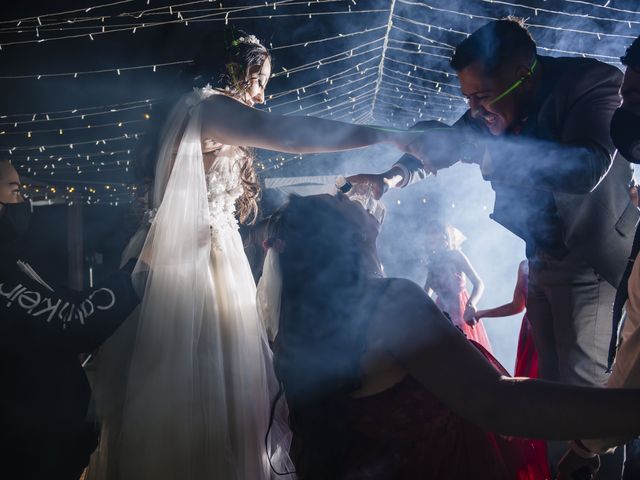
[327, 369]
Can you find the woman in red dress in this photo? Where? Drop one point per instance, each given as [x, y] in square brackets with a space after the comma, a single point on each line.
[448, 269]
[381, 386]
[526, 356]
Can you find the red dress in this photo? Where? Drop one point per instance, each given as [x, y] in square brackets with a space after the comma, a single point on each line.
[527, 366]
[452, 297]
[527, 355]
[406, 433]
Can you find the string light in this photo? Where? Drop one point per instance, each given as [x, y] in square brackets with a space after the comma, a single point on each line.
[322, 40]
[195, 19]
[327, 104]
[533, 25]
[323, 92]
[383, 54]
[42, 148]
[39, 76]
[556, 12]
[167, 9]
[81, 116]
[595, 5]
[61, 131]
[425, 38]
[335, 77]
[414, 52]
[436, 90]
[148, 101]
[415, 67]
[330, 59]
[39, 18]
[379, 72]
[103, 25]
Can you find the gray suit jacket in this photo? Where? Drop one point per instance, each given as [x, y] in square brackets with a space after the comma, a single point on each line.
[563, 159]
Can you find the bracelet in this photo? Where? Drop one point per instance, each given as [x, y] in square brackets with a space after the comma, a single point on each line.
[581, 450]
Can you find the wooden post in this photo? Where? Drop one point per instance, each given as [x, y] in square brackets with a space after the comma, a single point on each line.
[75, 244]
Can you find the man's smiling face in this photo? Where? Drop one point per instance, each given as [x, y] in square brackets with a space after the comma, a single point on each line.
[482, 89]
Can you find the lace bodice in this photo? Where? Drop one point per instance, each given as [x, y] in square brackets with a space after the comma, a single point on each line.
[224, 187]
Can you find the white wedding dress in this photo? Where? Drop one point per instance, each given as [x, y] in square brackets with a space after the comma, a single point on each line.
[184, 387]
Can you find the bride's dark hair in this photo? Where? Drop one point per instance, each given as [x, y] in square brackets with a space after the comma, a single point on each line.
[320, 337]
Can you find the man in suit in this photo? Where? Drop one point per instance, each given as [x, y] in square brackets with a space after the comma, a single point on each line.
[538, 127]
[625, 132]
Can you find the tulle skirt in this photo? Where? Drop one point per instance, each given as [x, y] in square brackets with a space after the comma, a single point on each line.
[204, 417]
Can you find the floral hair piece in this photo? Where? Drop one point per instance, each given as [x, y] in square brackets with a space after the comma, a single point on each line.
[249, 39]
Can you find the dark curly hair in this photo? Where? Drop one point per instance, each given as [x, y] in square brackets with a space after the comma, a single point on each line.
[320, 337]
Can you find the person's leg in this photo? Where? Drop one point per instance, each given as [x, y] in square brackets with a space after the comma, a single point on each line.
[542, 322]
[541, 319]
[582, 307]
[581, 304]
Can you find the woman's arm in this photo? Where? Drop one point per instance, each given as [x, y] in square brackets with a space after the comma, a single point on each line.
[230, 122]
[436, 354]
[516, 305]
[464, 265]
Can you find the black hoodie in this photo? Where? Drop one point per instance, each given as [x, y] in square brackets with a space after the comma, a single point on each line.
[44, 431]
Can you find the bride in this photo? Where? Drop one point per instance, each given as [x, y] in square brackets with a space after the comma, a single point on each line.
[183, 388]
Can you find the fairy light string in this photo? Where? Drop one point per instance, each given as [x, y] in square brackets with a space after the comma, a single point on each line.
[396, 60]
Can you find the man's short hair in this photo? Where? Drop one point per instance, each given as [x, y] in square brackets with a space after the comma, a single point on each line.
[495, 45]
[632, 56]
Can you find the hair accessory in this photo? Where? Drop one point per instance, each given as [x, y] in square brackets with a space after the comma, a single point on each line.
[249, 40]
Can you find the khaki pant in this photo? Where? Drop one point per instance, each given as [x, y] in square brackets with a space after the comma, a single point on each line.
[570, 309]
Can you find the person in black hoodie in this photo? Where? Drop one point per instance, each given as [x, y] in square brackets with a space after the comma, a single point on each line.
[45, 432]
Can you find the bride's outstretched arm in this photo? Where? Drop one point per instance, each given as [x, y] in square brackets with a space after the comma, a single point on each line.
[438, 356]
[233, 123]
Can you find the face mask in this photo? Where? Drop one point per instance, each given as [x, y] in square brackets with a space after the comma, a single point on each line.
[625, 133]
[14, 220]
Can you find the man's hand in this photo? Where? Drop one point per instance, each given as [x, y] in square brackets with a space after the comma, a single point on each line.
[436, 149]
[378, 183]
[574, 467]
[419, 148]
